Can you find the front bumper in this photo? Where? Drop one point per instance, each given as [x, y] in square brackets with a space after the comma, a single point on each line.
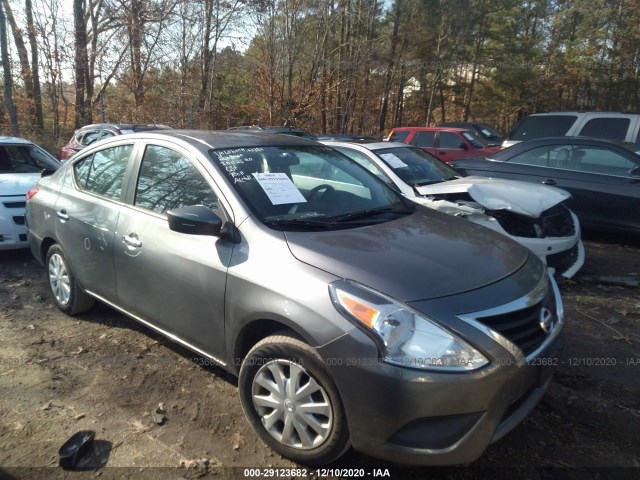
[430, 417]
[425, 418]
[13, 233]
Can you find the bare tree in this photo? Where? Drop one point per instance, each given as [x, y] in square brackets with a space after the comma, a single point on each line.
[8, 81]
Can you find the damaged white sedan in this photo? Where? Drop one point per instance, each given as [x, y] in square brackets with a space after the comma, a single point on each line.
[534, 215]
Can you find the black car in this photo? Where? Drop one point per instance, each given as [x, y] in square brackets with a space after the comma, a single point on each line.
[484, 131]
[603, 176]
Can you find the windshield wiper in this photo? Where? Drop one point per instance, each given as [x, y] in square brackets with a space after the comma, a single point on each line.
[371, 213]
[298, 222]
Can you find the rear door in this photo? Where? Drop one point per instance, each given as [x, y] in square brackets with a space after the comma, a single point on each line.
[87, 212]
[173, 281]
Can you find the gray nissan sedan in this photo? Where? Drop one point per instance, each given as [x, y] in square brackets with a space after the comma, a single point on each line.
[352, 316]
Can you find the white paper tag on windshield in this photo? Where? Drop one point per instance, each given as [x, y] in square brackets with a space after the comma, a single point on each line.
[393, 161]
[279, 188]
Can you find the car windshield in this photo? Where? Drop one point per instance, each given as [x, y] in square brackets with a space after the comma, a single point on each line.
[488, 132]
[25, 159]
[415, 166]
[308, 186]
[474, 139]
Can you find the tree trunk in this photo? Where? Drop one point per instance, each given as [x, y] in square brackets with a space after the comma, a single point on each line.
[81, 63]
[35, 66]
[23, 56]
[397, 10]
[8, 81]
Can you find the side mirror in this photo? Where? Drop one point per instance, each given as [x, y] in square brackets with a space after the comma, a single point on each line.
[464, 146]
[194, 220]
[635, 171]
[46, 172]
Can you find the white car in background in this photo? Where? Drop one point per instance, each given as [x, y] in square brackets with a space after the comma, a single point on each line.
[21, 166]
[534, 215]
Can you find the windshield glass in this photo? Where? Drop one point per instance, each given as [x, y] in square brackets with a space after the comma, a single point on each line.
[415, 166]
[474, 139]
[310, 185]
[25, 159]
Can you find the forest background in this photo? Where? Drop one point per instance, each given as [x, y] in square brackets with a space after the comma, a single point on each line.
[327, 66]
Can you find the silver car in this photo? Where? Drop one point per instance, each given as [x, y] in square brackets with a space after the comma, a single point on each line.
[534, 215]
[352, 316]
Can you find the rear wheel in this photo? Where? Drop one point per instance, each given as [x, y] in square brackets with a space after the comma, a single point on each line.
[63, 287]
[291, 402]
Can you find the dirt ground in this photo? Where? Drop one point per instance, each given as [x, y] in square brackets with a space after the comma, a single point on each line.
[104, 372]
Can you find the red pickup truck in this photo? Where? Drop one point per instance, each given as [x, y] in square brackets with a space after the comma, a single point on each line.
[447, 144]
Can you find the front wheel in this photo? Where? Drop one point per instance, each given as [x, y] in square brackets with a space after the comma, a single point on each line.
[291, 402]
[63, 287]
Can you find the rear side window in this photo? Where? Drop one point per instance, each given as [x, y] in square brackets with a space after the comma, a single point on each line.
[543, 126]
[398, 136]
[102, 173]
[168, 180]
[424, 139]
[613, 128]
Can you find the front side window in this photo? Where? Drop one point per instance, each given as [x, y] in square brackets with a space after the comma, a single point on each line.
[450, 140]
[168, 180]
[102, 172]
[603, 160]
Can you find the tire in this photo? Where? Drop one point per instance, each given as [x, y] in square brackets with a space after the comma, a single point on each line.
[315, 437]
[64, 289]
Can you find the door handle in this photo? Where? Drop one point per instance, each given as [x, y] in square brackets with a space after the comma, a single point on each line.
[62, 214]
[549, 181]
[442, 153]
[132, 240]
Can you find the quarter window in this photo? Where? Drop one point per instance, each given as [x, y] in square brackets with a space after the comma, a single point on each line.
[168, 180]
[102, 173]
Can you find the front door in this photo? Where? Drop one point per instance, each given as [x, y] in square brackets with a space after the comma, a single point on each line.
[174, 281]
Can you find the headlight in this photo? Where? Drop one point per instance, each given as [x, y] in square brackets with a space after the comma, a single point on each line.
[405, 337]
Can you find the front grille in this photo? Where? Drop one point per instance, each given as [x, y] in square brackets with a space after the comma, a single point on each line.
[15, 204]
[18, 219]
[562, 261]
[524, 327]
[554, 222]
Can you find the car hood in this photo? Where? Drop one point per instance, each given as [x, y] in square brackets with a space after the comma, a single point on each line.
[525, 198]
[421, 256]
[17, 183]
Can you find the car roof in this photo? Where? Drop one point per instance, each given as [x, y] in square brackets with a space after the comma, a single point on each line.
[222, 138]
[372, 146]
[567, 139]
[432, 129]
[15, 140]
[124, 125]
